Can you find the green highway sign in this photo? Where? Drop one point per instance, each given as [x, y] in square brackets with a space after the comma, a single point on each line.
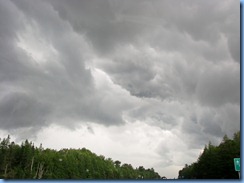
[237, 164]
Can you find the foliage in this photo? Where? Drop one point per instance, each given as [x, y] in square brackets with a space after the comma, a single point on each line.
[216, 162]
[26, 161]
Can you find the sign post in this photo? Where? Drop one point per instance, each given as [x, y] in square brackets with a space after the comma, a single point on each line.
[237, 164]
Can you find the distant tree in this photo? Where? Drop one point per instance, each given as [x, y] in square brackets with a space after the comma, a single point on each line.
[26, 161]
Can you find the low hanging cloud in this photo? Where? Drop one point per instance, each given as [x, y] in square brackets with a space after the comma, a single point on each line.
[109, 66]
[48, 70]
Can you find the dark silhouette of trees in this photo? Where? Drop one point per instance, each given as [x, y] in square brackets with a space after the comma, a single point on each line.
[26, 161]
[216, 162]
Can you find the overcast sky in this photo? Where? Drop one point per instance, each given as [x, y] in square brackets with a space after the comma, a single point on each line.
[146, 82]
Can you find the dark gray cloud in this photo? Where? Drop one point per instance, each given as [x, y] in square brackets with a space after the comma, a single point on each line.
[22, 110]
[105, 23]
[186, 43]
[219, 85]
[170, 65]
[45, 61]
[108, 24]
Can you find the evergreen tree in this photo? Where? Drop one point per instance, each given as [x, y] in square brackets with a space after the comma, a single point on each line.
[216, 162]
[26, 161]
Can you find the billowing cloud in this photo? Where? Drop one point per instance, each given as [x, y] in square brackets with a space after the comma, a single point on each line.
[48, 70]
[159, 77]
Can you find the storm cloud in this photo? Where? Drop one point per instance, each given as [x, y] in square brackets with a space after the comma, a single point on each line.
[159, 74]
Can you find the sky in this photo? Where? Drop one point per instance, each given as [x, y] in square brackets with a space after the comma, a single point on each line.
[145, 82]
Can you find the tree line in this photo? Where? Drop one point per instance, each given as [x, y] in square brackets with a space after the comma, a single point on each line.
[216, 162]
[26, 161]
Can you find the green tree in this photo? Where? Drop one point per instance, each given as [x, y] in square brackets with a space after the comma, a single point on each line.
[216, 162]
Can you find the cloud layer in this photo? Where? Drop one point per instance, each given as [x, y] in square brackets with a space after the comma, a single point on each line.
[122, 67]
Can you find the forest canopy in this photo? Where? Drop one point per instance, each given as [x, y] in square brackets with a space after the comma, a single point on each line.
[26, 161]
[216, 162]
